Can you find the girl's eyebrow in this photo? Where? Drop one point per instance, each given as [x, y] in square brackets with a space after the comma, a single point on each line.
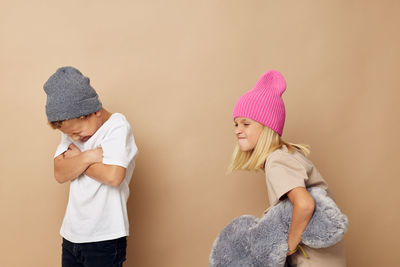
[241, 120]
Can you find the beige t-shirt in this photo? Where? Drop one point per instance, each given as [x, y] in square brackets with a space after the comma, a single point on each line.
[285, 171]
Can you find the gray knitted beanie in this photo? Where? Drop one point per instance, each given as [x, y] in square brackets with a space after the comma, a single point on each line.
[69, 95]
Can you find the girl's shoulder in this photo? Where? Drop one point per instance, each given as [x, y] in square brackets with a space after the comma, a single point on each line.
[283, 155]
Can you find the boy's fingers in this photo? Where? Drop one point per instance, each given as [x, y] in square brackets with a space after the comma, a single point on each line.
[73, 146]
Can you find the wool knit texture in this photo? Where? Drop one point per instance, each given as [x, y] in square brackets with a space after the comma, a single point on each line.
[264, 102]
[69, 95]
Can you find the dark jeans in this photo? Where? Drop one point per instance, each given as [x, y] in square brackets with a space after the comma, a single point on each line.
[109, 253]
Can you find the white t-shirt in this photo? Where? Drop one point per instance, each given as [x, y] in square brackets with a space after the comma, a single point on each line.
[95, 211]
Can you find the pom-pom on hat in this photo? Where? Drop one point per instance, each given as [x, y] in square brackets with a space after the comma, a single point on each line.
[69, 95]
[264, 102]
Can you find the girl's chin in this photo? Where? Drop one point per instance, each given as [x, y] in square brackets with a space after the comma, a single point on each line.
[244, 148]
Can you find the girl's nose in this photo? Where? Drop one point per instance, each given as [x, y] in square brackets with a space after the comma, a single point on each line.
[238, 130]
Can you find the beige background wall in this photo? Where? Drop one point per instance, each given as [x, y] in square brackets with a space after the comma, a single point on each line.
[175, 69]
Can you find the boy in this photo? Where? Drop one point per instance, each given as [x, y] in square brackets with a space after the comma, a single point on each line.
[96, 155]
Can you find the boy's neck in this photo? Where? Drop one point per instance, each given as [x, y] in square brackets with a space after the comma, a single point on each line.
[105, 115]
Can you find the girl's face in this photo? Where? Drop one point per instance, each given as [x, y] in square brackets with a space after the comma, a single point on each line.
[247, 132]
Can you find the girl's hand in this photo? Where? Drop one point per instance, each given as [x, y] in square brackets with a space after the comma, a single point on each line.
[72, 151]
[292, 250]
[298, 247]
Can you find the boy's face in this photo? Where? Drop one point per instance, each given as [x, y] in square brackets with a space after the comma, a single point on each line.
[247, 132]
[82, 129]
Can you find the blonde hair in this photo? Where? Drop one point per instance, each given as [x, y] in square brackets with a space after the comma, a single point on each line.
[255, 159]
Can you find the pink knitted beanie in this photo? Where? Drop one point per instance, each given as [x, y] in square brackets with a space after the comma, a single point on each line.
[264, 102]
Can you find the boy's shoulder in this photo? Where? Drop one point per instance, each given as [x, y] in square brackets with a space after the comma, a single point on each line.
[119, 117]
[117, 120]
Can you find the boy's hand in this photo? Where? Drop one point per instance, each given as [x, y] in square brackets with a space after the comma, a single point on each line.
[95, 155]
[72, 163]
[72, 151]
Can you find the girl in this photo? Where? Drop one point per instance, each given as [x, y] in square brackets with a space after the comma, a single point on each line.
[259, 117]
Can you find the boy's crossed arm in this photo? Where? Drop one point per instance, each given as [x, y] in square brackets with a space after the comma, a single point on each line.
[73, 163]
[112, 175]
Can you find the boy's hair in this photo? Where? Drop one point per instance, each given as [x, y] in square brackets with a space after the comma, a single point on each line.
[57, 124]
[268, 142]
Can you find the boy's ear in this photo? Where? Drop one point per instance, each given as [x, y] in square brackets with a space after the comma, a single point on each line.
[98, 113]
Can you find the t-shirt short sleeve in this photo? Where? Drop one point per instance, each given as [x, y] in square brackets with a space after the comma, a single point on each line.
[284, 173]
[119, 146]
[63, 146]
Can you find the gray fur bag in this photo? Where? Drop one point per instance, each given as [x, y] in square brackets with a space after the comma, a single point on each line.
[252, 242]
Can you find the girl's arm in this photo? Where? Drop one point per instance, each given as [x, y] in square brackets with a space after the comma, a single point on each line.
[303, 209]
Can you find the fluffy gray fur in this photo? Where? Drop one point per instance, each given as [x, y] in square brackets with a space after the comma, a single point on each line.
[252, 242]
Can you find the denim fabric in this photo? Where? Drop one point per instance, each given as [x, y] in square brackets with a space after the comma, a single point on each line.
[109, 253]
